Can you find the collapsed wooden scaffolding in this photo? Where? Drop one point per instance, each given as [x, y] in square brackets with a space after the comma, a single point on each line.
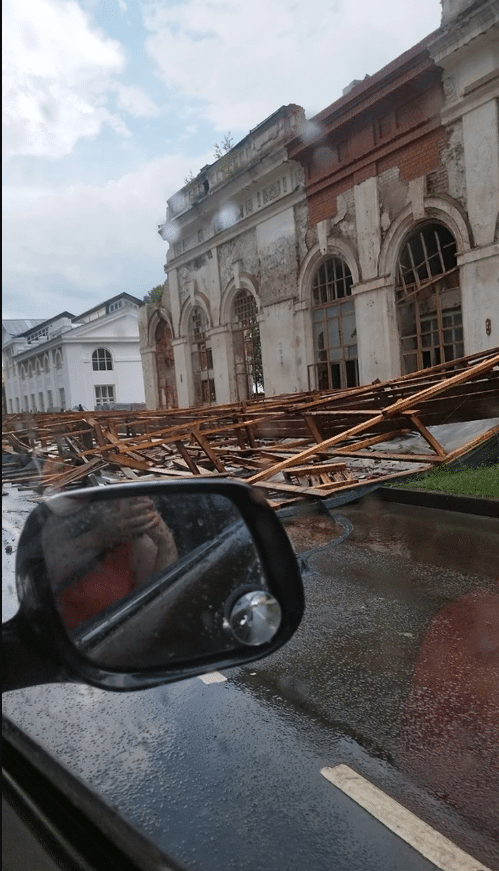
[295, 446]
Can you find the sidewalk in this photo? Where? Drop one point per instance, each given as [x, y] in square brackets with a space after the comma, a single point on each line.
[445, 501]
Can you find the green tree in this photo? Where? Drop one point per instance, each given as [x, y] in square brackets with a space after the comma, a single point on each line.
[226, 146]
[155, 294]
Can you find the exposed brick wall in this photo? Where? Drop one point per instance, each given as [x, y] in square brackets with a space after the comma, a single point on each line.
[421, 156]
[406, 134]
[437, 182]
[323, 204]
[392, 191]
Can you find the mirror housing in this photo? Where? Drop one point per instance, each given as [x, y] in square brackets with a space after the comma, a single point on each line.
[224, 597]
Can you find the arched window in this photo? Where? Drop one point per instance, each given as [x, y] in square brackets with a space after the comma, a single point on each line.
[165, 366]
[333, 324]
[429, 299]
[101, 359]
[247, 346]
[201, 356]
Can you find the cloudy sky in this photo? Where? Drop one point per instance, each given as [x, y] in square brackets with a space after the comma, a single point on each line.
[109, 104]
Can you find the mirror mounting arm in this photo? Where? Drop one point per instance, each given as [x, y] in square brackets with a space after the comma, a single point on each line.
[24, 665]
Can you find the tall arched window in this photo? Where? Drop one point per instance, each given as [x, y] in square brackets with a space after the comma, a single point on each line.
[201, 356]
[247, 346]
[101, 360]
[333, 323]
[165, 366]
[429, 299]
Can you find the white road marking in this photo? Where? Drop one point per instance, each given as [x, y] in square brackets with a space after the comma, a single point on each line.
[427, 841]
[212, 677]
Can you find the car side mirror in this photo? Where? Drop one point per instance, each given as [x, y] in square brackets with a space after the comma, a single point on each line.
[136, 585]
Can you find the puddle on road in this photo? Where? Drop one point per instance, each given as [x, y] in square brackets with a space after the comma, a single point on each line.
[457, 541]
[314, 530]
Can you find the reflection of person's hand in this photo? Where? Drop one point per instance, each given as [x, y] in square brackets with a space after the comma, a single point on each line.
[155, 549]
[125, 520]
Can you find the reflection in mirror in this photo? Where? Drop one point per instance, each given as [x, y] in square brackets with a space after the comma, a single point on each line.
[143, 581]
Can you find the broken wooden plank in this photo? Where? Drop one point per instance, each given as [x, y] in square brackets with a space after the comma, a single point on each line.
[428, 437]
[391, 410]
[184, 453]
[210, 453]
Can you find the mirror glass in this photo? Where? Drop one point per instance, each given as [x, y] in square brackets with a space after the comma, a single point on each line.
[145, 581]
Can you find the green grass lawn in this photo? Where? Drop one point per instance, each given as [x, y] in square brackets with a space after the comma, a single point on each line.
[482, 481]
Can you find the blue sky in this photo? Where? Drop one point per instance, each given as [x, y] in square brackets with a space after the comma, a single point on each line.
[109, 104]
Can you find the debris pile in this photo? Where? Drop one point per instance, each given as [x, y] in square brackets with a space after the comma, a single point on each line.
[296, 446]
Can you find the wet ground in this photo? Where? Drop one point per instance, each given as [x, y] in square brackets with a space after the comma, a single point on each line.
[227, 775]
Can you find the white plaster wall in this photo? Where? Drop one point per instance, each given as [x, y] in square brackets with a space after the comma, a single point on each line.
[182, 358]
[149, 374]
[480, 298]
[279, 348]
[148, 359]
[481, 155]
[223, 367]
[302, 332]
[377, 334]
[368, 226]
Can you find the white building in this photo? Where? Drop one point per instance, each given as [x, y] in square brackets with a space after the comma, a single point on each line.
[92, 360]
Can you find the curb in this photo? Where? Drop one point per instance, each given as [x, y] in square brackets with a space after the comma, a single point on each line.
[445, 501]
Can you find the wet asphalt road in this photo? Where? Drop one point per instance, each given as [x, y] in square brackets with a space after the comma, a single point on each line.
[227, 775]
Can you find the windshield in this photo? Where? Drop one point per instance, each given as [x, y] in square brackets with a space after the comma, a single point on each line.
[259, 241]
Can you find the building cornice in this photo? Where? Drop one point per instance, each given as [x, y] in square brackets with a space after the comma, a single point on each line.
[249, 222]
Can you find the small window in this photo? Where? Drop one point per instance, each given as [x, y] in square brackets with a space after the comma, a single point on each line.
[101, 360]
[49, 399]
[116, 305]
[62, 398]
[104, 395]
[41, 403]
[39, 334]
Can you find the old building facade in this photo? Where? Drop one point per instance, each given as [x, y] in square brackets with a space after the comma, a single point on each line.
[402, 180]
[359, 244]
[225, 330]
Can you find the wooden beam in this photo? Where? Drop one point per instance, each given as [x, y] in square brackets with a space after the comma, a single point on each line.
[432, 441]
[210, 453]
[184, 453]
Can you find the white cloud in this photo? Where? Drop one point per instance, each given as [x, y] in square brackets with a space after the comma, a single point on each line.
[75, 248]
[242, 60]
[136, 102]
[57, 71]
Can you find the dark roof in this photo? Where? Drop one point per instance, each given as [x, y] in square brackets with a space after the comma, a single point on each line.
[46, 323]
[107, 302]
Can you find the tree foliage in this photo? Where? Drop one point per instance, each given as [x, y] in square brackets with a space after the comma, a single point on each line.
[226, 146]
[221, 150]
[155, 294]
